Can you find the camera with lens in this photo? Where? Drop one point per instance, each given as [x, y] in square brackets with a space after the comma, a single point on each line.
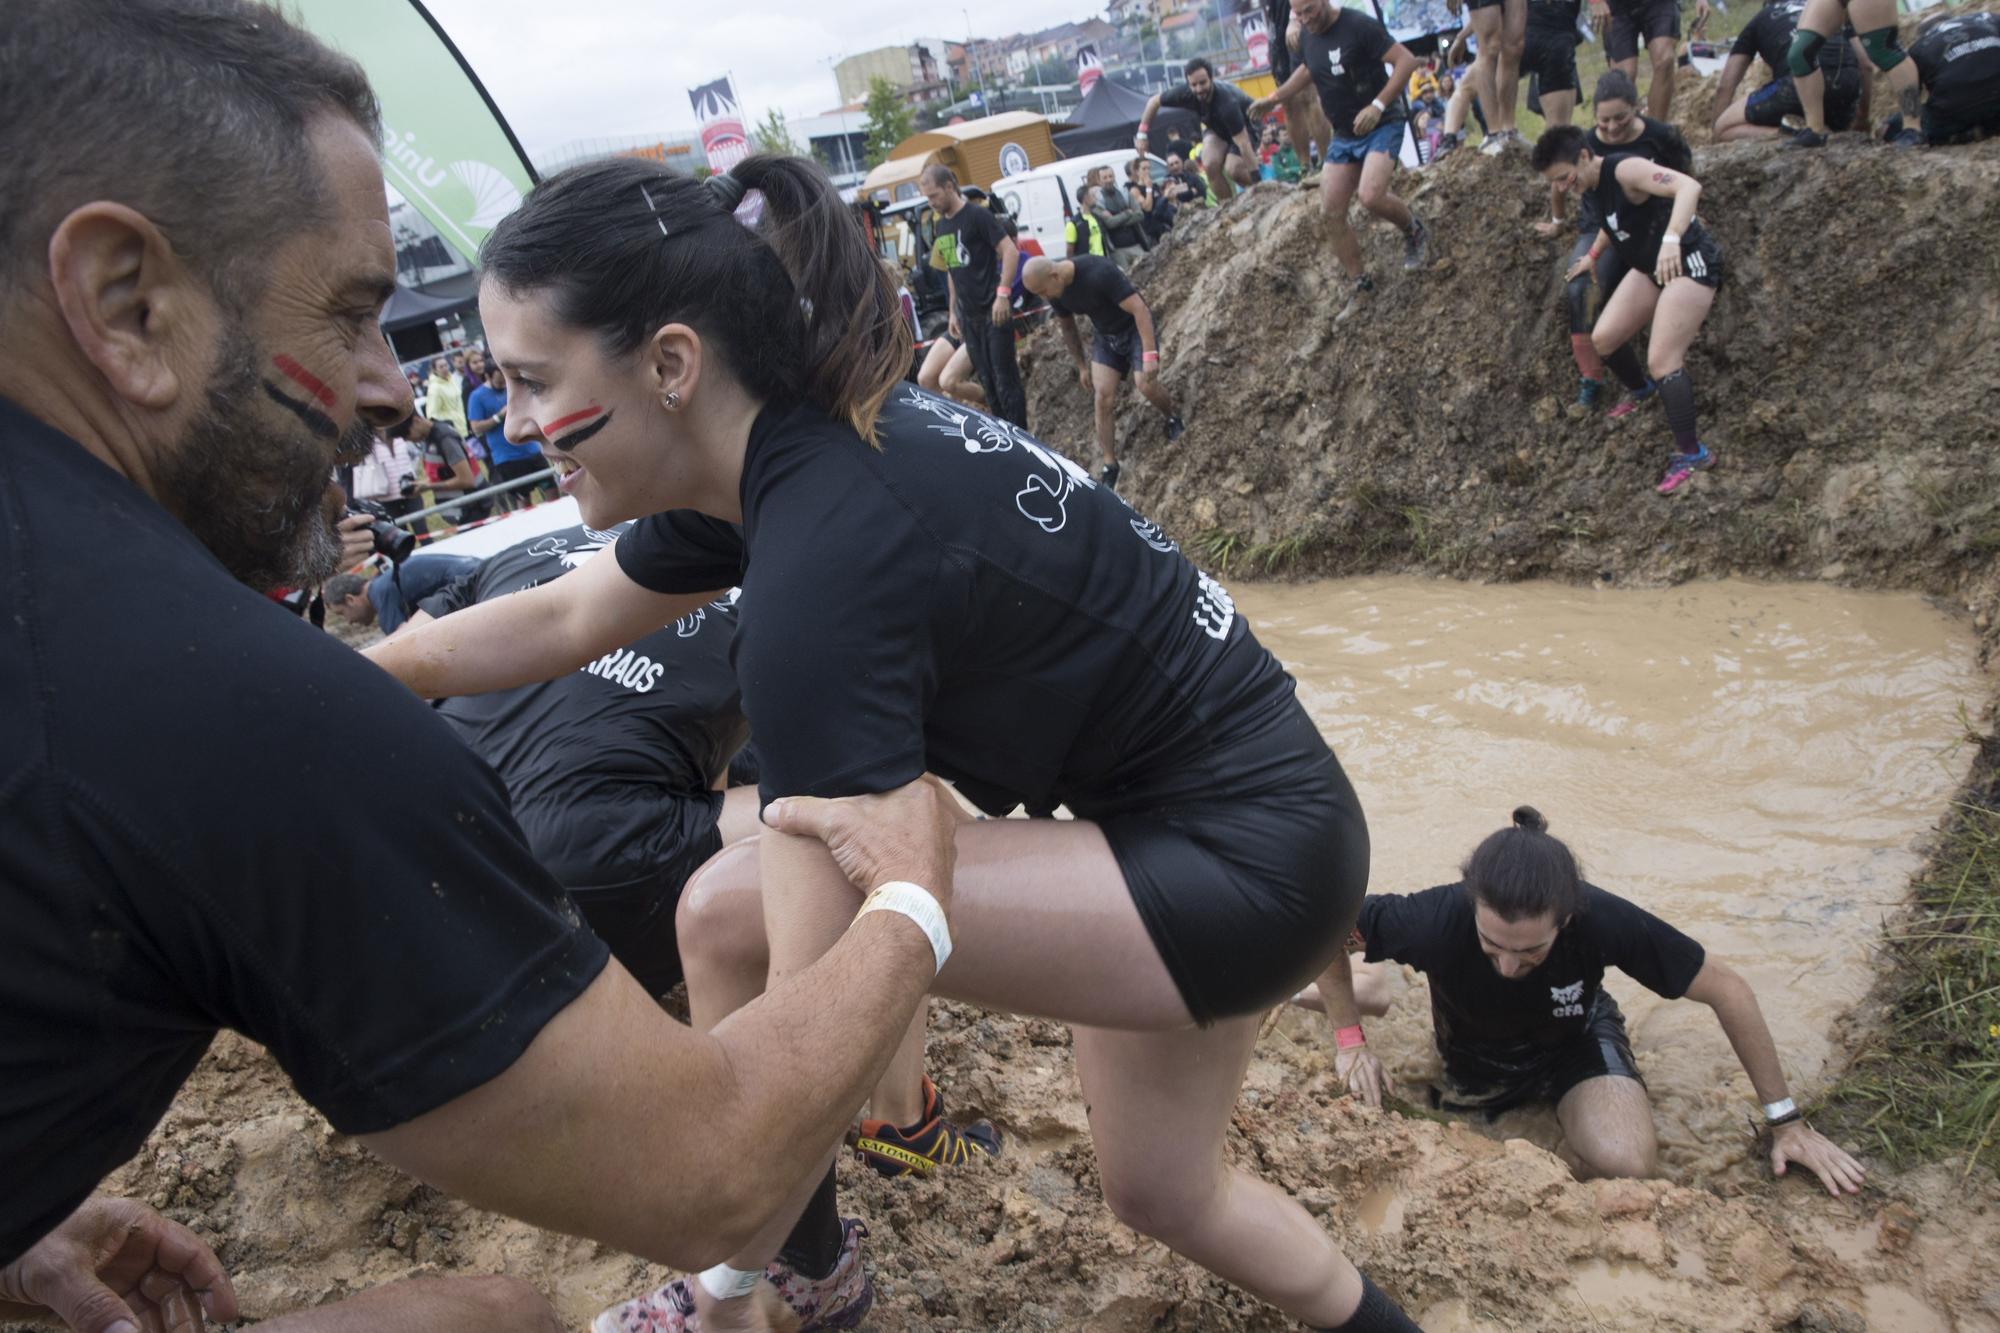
[391, 542]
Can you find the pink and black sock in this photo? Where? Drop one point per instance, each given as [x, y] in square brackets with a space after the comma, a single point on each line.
[1624, 364]
[1588, 363]
[1677, 397]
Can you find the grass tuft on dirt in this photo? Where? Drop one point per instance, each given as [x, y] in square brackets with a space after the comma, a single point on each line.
[1926, 1086]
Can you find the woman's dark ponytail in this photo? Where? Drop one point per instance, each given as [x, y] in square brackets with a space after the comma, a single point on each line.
[1521, 872]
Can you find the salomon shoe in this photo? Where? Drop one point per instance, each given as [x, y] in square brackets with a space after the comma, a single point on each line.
[1683, 467]
[934, 1141]
[838, 1300]
[1588, 391]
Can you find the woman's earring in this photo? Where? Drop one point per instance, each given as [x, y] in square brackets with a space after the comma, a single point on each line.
[672, 400]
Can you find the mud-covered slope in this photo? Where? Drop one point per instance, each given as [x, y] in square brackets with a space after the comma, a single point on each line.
[1849, 379]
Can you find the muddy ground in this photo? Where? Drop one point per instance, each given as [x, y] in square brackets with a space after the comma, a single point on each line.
[1850, 382]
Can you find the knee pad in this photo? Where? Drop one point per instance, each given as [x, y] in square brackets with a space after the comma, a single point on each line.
[1882, 49]
[1804, 55]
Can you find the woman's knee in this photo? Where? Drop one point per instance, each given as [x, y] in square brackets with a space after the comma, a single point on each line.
[720, 916]
[1168, 1206]
[1663, 361]
[1620, 1161]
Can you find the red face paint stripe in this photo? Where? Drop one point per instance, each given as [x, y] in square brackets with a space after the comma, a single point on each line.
[552, 427]
[304, 378]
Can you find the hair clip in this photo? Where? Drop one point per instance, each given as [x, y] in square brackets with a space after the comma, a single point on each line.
[653, 208]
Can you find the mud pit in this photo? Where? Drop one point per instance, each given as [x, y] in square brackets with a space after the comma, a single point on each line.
[1449, 703]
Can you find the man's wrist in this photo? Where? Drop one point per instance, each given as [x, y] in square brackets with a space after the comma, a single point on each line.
[1349, 1037]
[1784, 1111]
[1380, 110]
[920, 906]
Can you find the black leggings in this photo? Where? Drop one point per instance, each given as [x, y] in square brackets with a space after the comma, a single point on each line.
[1576, 293]
[991, 347]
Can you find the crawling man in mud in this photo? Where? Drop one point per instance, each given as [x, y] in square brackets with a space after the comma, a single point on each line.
[1516, 954]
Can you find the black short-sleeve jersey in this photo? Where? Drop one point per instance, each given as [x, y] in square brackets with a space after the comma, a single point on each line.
[1658, 141]
[1095, 293]
[1222, 114]
[1556, 17]
[967, 600]
[1768, 35]
[599, 760]
[972, 254]
[1636, 228]
[1959, 62]
[1348, 65]
[1473, 1006]
[214, 815]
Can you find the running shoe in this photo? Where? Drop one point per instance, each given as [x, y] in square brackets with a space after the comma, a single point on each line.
[1588, 391]
[1632, 402]
[1494, 144]
[1109, 477]
[1174, 428]
[838, 1300]
[935, 1141]
[1416, 245]
[1808, 138]
[1447, 145]
[1363, 285]
[1907, 138]
[1683, 467]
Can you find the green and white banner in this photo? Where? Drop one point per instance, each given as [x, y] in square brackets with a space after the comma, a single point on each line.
[444, 145]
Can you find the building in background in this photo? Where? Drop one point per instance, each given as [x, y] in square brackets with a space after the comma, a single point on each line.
[919, 71]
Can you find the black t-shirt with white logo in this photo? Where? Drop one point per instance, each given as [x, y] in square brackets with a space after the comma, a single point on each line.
[1222, 114]
[1095, 292]
[1477, 1011]
[1659, 141]
[972, 256]
[609, 766]
[1768, 35]
[214, 815]
[1637, 228]
[1959, 62]
[1349, 68]
[966, 600]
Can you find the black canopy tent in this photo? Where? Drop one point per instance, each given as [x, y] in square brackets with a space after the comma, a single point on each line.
[1109, 117]
[414, 312]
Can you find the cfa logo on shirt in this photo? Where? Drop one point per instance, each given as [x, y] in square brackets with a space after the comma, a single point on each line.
[1568, 1000]
[1333, 65]
[1611, 221]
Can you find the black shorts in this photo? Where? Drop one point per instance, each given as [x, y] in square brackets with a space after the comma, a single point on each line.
[1120, 351]
[1247, 898]
[636, 917]
[1550, 58]
[1701, 259]
[1962, 127]
[1495, 1080]
[1769, 105]
[1483, 4]
[1639, 22]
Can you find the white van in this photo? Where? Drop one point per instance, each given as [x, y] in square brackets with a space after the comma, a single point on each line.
[1043, 199]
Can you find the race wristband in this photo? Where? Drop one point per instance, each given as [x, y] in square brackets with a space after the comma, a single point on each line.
[1149, 358]
[1778, 1110]
[907, 899]
[1145, 125]
[1349, 1037]
[1003, 290]
[726, 1283]
[1669, 236]
[1380, 110]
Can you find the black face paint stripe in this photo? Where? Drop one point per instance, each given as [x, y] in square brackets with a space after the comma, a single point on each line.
[316, 421]
[569, 442]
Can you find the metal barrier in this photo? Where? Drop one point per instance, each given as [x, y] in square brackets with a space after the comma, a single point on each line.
[404, 520]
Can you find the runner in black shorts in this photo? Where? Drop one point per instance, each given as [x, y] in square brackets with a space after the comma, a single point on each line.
[1229, 136]
[1549, 59]
[1761, 115]
[1958, 59]
[1305, 126]
[1500, 31]
[1516, 955]
[1673, 269]
[1124, 341]
[927, 588]
[1658, 24]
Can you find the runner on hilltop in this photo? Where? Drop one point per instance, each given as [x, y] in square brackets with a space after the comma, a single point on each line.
[1655, 23]
[1123, 342]
[1516, 954]
[1229, 136]
[1305, 123]
[1673, 267]
[1958, 59]
[1761, 114]
[982, 259]
[1874, 22]
[1498, 32]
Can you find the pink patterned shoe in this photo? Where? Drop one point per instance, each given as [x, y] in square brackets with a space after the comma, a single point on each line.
[838, 1300]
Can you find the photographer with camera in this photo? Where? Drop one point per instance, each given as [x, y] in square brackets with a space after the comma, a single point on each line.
[387, 475]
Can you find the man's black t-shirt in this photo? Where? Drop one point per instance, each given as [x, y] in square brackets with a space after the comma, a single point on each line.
[1477, 1011]
[1222, 114]
[1659, 141]
[1959, 63]
[1095, 292]
[1768, 35]
[214, 815]
[1349, 68]
[1556, 18]
[967, 601]
[973, 256]
[602, 762]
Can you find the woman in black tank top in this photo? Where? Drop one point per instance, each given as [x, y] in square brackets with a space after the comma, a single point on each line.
[1647, 214]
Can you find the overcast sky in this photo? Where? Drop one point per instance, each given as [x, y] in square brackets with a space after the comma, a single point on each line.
[573, 69]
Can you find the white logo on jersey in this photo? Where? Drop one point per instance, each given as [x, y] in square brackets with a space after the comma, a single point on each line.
[1214, 608]
[1568, 1000]
[1333, 62]
[571, 559]
[1044, 500]
[690, 624]
[1611, 221]
[635, 671]
[1154, 536]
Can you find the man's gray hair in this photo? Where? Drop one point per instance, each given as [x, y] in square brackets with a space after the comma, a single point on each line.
[341, 587]
[192, 112]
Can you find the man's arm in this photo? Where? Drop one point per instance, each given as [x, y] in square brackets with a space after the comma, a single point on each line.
[1135, 306]
[1145, 119]
[1352, 1060]
[531, 636]
[1072, 340]
[726, 1123]
[1010, 258]
[1401, 66]
[1722, 989]
[1733, 71]
[1294, 83]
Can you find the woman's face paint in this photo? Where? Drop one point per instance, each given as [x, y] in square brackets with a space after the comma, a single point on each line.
[587, 422]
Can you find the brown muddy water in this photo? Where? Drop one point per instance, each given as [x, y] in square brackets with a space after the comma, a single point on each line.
[1757, 764]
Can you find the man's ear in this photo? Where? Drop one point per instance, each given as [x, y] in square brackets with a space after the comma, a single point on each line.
[129, 302]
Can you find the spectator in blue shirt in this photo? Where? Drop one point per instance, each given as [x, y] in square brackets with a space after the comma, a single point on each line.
[486, 411]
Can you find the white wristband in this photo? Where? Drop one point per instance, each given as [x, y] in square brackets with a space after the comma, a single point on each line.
[1669, 236]
[912, 901]
[1376, 102]
[726, 1283]
[1773, 1110]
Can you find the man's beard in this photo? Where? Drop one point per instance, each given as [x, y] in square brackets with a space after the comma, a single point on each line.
[251, 490]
